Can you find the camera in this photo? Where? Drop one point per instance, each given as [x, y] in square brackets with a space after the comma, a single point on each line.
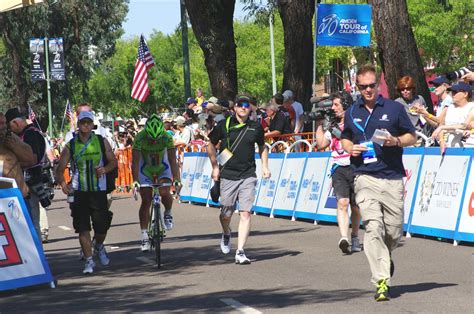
[322, 110]
[455, 75]
[39, 190]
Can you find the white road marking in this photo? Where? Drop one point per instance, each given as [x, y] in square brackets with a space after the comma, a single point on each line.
[240, 307]
[114, 247]
[64, 228]
[147, 260]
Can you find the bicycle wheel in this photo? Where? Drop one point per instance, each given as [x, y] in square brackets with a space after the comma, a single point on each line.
[157, 234]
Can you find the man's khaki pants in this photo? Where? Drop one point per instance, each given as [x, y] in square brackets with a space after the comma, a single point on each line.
[381, 206]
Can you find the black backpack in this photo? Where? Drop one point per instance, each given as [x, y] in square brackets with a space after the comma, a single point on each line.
[112, 175]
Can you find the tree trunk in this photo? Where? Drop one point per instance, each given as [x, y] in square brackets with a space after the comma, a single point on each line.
[397, 47]
[213, 25]
[297, 17]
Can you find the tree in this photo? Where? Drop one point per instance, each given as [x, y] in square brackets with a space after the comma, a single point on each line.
[89, 28]
[397, 47]
[297, 16]
[212, 23]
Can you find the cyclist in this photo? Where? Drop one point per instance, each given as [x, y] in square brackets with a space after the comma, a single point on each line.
[154, 156]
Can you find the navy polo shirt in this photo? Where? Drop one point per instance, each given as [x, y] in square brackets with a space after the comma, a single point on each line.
[387, 114]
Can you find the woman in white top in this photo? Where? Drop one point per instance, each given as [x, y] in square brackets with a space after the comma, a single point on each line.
[460, 116]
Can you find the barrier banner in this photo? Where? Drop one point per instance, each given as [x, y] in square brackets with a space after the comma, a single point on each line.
[465, 230]
[439, 192]
[412, 158]
[187, 175]
[266, 193]
[343, 25]
[312, 181]
[199, 188]
[258, 170]
[22, 261]
[289, 184]
[37, 59]
[327, 208]
[56, 60]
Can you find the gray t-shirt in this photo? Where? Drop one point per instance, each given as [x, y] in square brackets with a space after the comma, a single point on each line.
[413, 116]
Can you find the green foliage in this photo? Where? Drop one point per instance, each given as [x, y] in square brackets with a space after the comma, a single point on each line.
[441, 30]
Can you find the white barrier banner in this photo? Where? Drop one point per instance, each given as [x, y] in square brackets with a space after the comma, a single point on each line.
[22, 261]
[202, 175]
[266, 193]
[312, 181]
[465, 230]
[327, 208]
[258, 170]
[289, 184]
[187, 175]
[439, 193]
[411, 162]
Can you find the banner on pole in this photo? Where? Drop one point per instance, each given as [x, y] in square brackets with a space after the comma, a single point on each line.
[56, 61]
[37, 59]
[343, 25]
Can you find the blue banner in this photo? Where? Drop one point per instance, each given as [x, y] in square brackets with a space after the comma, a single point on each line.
[343, 25]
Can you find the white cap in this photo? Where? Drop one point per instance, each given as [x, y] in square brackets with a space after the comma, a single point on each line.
[85, 115]
[287, 95]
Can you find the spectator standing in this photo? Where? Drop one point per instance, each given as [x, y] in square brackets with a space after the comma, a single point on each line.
[184, 134]
[342, 175]
[33, 173]
[200, 99]
[297, 107]
[88, 190]
[238, 136]
[407, 89]
[379, 172]
[277, 123]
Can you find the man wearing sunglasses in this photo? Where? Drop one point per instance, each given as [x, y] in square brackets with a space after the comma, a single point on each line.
[378, 171]
[235, 167]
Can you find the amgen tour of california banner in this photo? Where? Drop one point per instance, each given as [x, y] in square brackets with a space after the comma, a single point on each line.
[343, 25]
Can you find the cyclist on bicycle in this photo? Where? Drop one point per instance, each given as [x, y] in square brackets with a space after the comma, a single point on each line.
[154, 161]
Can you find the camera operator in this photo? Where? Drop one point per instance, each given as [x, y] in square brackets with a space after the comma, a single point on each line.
[33, 173]
[341, 172]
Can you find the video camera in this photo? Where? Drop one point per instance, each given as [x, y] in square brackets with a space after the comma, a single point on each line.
[455, 75]
[323, 111]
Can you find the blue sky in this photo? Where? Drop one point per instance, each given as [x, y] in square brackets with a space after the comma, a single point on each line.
[162, 15]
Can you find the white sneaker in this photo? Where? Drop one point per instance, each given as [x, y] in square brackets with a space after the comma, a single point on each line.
[103, 257]
[225, 243]
[89, 266]
[145, 247]
[355, 247]
[240, 258]
[168, 219]
[344, 245]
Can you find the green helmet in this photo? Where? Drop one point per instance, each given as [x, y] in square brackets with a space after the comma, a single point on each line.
[154, 126]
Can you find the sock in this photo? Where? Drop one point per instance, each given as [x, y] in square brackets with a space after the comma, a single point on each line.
[88, 259]
[167, 212]
[144, 234]
[99, 246]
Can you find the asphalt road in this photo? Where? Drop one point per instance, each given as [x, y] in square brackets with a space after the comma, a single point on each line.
[297, 268]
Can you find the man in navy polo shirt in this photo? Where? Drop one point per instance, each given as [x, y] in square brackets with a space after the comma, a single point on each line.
[379, 172]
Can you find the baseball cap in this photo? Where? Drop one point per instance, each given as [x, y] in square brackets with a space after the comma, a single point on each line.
[191, 101]
[439, 81]
[287, 95]
[180, 120]
[213, 99]
[85, 115]
[12, 114]
[461, 86]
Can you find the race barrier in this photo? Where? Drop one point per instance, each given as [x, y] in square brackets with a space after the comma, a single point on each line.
[22, 260]
[438, 196]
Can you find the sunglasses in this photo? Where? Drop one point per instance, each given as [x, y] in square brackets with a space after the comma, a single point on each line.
[406, 88]
[243, 105]
[364, 87]
[457, 91]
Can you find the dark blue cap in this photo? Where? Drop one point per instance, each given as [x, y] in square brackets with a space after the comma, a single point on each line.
[439, 80]
[461, 86]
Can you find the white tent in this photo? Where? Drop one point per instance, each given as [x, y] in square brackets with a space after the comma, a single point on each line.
[6, 5]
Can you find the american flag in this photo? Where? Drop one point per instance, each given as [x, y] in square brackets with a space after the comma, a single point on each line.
[69, 113]
[31, 114]
[140, 88]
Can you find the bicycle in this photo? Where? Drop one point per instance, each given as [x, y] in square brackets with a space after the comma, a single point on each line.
[156, 227]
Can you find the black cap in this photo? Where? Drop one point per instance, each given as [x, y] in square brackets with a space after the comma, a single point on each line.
[12, 114]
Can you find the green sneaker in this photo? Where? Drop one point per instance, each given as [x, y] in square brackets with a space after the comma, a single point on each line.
[382, 293]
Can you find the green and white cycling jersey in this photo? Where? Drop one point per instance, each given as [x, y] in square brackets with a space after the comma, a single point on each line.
[86, 159]
[154, 157]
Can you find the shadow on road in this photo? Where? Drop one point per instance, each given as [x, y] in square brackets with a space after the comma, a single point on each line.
[397, 291]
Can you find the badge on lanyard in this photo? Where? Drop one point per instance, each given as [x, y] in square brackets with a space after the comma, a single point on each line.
[369, 155]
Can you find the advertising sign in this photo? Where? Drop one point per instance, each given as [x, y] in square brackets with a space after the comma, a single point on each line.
[37, 59]
[411, 161]
[465, 230]
[22, 261]
[343, 25]
[266, 193]
[56, 59]
[187, 175]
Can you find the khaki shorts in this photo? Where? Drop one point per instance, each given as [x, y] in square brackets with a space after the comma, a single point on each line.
[242, 190]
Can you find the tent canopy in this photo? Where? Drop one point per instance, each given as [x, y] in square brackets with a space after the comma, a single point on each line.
[6, 5]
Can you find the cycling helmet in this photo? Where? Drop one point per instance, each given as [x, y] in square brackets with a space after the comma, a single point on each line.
[154, 126]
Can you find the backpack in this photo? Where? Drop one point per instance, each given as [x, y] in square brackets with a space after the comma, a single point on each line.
[112, 175]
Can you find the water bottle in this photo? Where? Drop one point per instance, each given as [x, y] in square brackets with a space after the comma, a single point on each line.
[70, 195]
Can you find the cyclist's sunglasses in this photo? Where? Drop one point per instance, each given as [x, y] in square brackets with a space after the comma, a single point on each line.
[245, 105]
[364, 87]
